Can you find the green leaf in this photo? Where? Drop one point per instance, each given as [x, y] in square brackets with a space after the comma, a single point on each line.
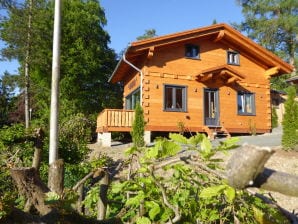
[170, 149]
[213, 191]
[178, 138]
[206, 145]
[154, 209]
[196, 139]
[152, 152]
[230, 193]
[143, 220]
[206, 148]
[135, 200]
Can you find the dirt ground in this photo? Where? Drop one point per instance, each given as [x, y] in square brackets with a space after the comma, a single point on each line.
[284, 161]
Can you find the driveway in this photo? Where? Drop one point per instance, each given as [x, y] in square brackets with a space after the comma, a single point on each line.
[267, 139]
[272, 139]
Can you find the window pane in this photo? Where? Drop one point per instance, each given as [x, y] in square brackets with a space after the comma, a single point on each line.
[233, 58]
[248, 103]
[240, 103]
[179, 98]
[192, 51]
[169, 98]
[245, 103]
[175, 98]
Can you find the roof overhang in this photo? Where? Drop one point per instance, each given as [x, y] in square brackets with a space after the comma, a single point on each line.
[225, 73]
[141, 50]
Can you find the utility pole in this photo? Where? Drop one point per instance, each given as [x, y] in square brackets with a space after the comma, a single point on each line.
[27, 58]
[56, 167]
[53, 151]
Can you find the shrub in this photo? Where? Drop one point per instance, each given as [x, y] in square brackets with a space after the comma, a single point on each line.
[274, 118]
[138, 128]
[75, 133]
[290, 124]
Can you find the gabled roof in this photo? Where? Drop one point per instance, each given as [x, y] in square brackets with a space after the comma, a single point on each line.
[138, 51]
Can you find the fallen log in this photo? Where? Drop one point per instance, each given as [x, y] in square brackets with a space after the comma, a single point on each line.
[246, 168]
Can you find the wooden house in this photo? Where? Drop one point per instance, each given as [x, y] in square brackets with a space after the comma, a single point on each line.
[211, 79]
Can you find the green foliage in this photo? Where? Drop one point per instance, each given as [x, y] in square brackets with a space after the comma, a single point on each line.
[138, 128]
[16, 150]
[195, 194]
[86, 60]
[148, 34]
[272, 24]
[290, 124]
[274, 118]
[75, 132]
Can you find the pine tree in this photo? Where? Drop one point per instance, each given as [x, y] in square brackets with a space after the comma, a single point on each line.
[290, 121]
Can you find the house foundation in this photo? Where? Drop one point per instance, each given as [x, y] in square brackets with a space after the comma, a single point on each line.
[104, 139]
[147, 137]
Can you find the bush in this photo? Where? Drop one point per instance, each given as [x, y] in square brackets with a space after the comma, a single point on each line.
[274, 118]
[75, 133]
[138, 128]
[290, 124]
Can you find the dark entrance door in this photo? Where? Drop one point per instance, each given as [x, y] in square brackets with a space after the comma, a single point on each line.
[211, 108]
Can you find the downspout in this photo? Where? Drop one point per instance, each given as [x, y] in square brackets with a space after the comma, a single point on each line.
[141, 73]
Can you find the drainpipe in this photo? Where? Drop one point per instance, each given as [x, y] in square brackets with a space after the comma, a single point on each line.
[141, 73]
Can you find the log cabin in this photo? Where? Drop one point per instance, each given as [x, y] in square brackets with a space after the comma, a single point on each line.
[211, 80]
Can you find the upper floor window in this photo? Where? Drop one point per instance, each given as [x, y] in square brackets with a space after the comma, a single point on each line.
[233, 58]
[246, 103]
[192, 51]
[174, 98]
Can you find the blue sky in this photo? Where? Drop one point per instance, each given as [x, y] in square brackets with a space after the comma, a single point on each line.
[128, 19]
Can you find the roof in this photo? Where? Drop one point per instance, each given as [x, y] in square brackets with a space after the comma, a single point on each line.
[138, 51]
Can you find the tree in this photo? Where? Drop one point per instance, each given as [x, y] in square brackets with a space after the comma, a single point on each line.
[290, 124]
[3, 104]
[7, 98]
[148, 34]
[274, 25]
[86, 59]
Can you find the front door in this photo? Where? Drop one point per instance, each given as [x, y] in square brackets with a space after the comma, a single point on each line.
[211, 108]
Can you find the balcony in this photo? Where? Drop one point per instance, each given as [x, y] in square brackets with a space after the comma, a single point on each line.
[115, 120]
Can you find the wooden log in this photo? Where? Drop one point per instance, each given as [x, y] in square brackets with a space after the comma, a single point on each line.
[30, 185]
[281, 182]
[246, 164]
[246, 169]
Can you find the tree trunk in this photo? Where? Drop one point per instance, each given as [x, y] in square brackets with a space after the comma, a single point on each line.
[103, 199]
[56, 176]
[30, 185]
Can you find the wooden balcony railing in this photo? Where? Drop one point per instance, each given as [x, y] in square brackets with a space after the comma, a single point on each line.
[115, 120]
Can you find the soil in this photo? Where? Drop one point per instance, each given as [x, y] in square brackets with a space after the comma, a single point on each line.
[284, 161]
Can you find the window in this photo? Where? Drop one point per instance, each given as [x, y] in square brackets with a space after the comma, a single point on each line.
[246, 103]
[233, 58]
[192, 51]
[132, 99]
[174, 98]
